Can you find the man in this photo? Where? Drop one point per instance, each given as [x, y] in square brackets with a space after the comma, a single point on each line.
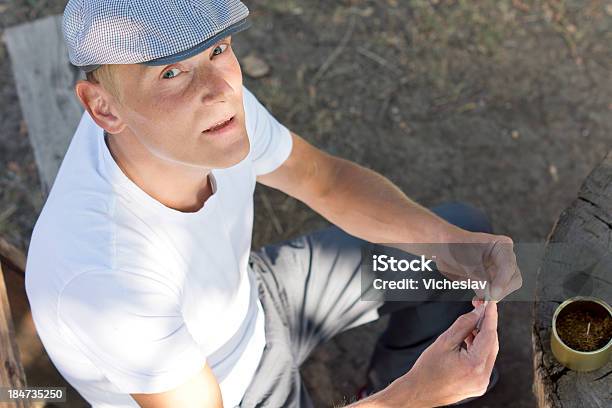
[140, 277]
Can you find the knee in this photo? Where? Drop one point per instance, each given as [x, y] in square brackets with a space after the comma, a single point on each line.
[465, 216]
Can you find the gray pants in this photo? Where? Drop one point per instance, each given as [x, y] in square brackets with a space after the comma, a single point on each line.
[310, 290]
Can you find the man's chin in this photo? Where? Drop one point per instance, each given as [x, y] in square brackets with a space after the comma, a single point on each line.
[232, 155]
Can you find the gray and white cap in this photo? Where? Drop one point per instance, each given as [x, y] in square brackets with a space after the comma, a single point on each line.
[151, 32]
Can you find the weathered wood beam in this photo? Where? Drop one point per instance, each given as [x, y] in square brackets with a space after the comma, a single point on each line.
[45, 85]
[584, 230]
[11, 255]
[11, 372]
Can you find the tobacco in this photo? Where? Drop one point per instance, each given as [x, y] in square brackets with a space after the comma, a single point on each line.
[585, 330]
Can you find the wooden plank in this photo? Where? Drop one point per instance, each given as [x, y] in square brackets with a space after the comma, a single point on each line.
[11, 372]
[39, 369]
[576, 262]
[45, 84]
[9, 254]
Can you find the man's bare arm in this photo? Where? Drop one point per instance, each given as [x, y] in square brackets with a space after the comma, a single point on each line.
[201, 391]
[358, 200]
[369, 206]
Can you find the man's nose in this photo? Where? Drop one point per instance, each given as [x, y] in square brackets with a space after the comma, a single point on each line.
[213, 86]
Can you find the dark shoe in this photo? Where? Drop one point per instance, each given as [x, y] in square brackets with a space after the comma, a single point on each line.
[362, 393]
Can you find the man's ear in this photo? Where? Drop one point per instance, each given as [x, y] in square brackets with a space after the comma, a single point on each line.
[97, 101]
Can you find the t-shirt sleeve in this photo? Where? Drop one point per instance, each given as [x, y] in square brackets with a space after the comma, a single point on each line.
[131, 329]
[271, 142]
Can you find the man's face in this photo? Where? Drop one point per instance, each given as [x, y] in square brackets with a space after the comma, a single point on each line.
[172, 108]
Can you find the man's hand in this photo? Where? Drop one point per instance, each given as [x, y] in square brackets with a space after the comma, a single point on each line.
[477, 256]
[446, 372]
[484, 257]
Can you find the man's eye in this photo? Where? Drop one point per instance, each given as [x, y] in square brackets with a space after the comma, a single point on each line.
[169, 73]
[219, 49]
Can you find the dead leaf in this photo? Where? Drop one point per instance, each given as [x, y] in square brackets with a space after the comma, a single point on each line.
[23, 128]
[470, 106]
[552, 169]
[312, 92]
[254, 66]
[520, 5]
[14, 167]
[366, 12]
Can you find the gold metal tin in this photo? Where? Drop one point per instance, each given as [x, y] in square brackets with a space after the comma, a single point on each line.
[573, 359]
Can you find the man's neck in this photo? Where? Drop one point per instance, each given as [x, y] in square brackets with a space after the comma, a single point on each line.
[178, 187]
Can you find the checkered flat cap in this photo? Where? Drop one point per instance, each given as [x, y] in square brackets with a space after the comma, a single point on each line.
[152, 32]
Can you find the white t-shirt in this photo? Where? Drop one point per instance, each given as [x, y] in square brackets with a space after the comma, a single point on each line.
[131, 296]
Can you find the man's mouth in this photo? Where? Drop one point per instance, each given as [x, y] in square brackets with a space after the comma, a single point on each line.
[219, 125]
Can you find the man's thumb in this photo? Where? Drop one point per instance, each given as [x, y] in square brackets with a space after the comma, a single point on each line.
[463, 326]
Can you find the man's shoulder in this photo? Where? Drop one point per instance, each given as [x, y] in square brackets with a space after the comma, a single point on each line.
[73, 213]
[81, 196]
[75, 231]
[69, 236]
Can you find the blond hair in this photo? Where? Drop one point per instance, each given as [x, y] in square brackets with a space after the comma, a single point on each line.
[105, 76]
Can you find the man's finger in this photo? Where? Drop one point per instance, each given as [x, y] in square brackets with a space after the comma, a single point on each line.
[462, 327]
[486, 340]
[477, 301]
[469, 340]
[506, 283]
[507, 268]
[493, 354]
[485, 346]
[494, 346]
[516, 282]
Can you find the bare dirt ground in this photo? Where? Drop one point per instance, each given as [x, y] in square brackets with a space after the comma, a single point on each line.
[504, 104]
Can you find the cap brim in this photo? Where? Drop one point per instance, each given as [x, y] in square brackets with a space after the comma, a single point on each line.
[89, 68]
[179, 56]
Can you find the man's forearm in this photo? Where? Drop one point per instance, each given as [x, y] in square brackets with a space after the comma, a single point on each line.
[403, 392]
[369, 206]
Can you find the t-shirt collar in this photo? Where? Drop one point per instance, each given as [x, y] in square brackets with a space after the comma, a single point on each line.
[140, 196]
